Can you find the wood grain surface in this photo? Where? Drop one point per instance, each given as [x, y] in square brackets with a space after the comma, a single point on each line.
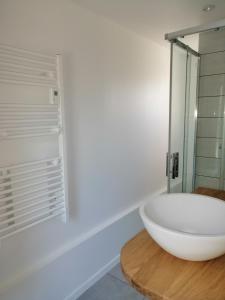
[161, 276]
[210, 192]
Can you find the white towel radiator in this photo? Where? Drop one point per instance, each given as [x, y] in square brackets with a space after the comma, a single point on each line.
[32, 141]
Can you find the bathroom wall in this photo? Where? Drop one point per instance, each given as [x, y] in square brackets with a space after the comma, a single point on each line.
[210, 153]
[116, 102]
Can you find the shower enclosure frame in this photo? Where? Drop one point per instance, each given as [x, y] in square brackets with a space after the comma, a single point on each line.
[174, 159]
[196, 29]
[173, 38]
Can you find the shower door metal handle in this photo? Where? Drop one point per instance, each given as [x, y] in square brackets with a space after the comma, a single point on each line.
[175, 165]
[167, 164]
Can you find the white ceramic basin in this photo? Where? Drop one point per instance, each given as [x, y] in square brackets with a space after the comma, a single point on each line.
[188, 226]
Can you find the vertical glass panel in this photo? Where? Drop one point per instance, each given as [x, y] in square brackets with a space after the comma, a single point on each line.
[190, 123]
[183, 114]
[177, 117]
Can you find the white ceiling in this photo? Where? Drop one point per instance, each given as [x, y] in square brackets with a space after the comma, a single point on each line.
[154, 18]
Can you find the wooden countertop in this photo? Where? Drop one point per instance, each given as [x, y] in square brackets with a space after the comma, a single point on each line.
[210, 192]
[161, 276]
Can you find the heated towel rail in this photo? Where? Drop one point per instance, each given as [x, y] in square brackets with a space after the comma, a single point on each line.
[32, 141]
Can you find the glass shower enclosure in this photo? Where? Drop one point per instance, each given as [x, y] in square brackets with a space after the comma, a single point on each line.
[183, 117]
[196, 150]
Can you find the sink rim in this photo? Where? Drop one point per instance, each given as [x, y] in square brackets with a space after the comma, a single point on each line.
[148, 219]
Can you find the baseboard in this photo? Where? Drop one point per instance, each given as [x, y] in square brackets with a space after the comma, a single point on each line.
[93, 279]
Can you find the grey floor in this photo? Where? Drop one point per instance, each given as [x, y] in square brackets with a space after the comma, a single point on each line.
[113, 286]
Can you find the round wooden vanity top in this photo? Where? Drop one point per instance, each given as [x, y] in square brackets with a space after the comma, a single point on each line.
[159, 275]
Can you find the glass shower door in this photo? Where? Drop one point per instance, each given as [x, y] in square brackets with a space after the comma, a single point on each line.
[183, 113]
[177, 116]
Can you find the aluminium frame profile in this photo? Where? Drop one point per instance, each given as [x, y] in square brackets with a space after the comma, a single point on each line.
[196, 29]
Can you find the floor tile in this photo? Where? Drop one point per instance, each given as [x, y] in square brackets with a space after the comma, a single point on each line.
[110, 288]
[117, 273]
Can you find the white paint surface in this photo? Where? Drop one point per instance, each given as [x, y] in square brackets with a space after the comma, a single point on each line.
[153, 18]
[68, 275]
[116, 105]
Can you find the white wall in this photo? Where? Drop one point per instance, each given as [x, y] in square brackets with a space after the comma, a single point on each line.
[116, 95]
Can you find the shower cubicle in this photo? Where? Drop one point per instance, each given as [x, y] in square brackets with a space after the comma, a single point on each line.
[196, 152]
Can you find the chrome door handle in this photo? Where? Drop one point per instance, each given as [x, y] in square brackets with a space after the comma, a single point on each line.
[167, 164]
[175, 168]
[175, 165]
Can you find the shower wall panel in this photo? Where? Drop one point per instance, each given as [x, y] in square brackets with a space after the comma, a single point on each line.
[211, 129]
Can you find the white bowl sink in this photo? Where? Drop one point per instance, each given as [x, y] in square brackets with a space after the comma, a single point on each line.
[188, 226]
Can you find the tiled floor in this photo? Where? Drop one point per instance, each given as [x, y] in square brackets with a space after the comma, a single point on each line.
[113, 286]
